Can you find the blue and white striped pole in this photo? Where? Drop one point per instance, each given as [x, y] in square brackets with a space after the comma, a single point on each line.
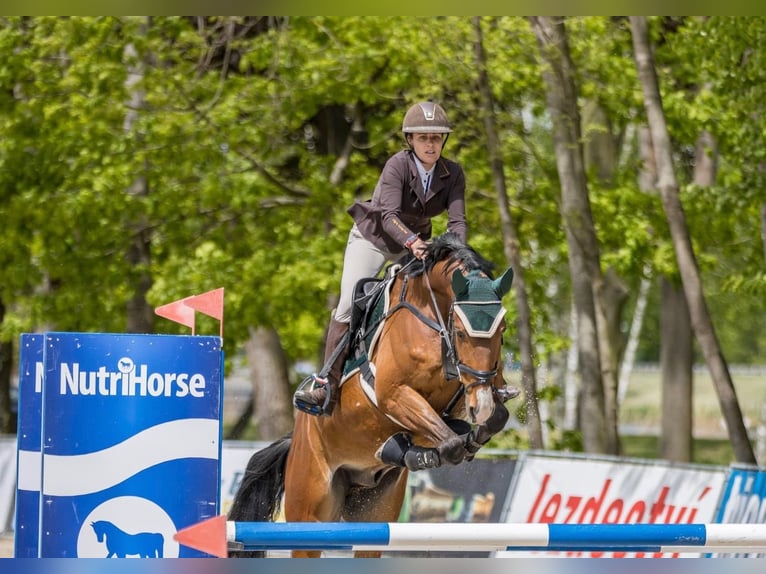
[217, 536]
[498, 537]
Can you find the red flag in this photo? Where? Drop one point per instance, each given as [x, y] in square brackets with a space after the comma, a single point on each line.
[210, 303]
[177, 311]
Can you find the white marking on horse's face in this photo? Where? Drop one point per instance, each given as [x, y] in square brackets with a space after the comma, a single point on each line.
[483, 404]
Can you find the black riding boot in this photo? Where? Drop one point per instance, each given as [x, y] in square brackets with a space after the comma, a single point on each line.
[316, 396]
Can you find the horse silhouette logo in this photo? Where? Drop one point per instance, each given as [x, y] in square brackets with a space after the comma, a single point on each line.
[122, 544]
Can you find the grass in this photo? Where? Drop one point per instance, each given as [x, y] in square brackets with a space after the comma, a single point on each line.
[704, 451]
[642, 405]
[642, 410]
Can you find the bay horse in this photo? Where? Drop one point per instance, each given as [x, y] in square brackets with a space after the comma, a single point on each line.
[431, 393]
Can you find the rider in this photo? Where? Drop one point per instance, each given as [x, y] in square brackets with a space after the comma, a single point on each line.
[415, 185]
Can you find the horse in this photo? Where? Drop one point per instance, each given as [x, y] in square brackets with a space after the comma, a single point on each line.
[429, 392]
[121, 544]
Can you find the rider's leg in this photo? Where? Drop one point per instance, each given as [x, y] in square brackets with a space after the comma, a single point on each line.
[362, 259]
[316, 396]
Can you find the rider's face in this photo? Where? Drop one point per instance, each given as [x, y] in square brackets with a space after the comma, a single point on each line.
[428, 147]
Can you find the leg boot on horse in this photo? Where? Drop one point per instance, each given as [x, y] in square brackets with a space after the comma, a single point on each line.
[315, 397]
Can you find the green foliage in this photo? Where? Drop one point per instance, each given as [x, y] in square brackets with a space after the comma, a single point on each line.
[238, 127]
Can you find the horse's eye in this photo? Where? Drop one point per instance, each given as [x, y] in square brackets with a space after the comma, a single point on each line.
[461, 334]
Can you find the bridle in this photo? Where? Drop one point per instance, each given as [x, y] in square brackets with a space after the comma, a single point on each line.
[454, 368]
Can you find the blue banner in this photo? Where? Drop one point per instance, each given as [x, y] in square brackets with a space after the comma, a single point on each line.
[743, 501]
[28, 467]
[131, 442]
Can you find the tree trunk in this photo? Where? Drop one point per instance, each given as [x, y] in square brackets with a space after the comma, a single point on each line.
[510, 246]
[584, 262]
[702, 324]
[272, 404]
[140, 315]
[611, 302]
[600, 153]
[647, 182]
[629, 358]
[676, 362]
[601, 148]
[571, 382]
[677, 341]
[763, 228]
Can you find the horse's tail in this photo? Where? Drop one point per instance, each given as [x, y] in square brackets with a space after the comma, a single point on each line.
[259, 497]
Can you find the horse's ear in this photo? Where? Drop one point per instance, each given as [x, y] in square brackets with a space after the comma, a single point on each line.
[502, 284]
[459, 283]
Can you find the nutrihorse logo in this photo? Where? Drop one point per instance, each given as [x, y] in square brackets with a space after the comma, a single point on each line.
[121, 544]
[129, 380]
[127, 527]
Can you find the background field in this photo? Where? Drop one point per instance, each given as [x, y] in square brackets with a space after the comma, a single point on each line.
[641, 410]
[639, 414]
[642, 406]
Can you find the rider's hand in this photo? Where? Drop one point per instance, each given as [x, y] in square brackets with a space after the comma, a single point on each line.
[419, 248]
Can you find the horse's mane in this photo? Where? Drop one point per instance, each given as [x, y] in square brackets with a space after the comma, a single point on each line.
[450, 248]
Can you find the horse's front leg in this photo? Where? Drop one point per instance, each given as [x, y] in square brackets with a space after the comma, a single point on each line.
[409, 409]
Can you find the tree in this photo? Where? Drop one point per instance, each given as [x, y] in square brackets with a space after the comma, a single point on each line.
[510, 244]
[576, 213]
[701, 322]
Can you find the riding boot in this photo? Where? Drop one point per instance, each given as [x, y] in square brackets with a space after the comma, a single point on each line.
[317, 395]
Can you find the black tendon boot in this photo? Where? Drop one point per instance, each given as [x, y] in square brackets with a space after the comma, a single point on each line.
[314, 398]
[398, 450]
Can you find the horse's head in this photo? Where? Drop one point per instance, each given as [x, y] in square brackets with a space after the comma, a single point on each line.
[476, 319]
[98, 528]
[476, 326]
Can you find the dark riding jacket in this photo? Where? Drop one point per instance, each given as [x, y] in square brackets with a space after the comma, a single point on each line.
[400, 209]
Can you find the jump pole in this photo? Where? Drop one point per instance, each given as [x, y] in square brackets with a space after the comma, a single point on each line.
[217, 536]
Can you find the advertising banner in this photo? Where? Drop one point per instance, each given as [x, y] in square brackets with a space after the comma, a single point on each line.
[743, 501]
[234, 459]
[572, 490]
[7, 482]
[131, 443]
[474, 491]
[29, 459]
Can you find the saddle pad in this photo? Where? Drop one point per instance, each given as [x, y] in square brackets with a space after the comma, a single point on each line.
[367, 380]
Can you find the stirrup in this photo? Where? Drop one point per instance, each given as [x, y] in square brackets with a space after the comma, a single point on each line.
[307, 384]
